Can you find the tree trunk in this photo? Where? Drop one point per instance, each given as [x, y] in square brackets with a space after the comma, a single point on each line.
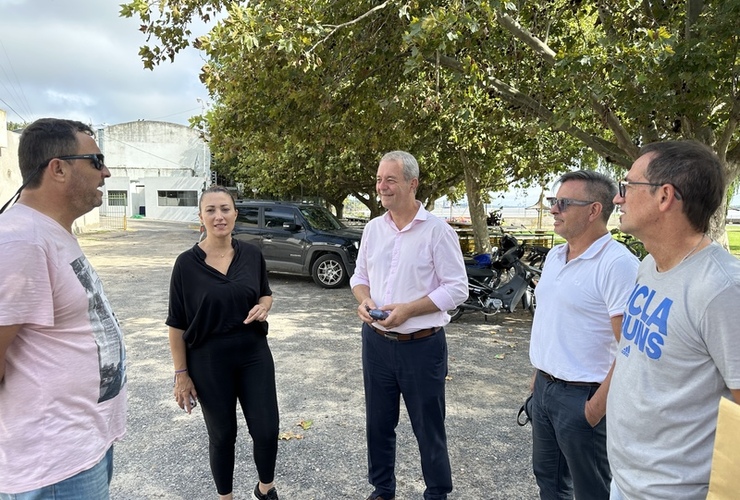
[475, 206]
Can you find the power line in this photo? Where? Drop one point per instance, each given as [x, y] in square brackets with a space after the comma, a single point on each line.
[13, 110]
[20, 97]
[178, 113]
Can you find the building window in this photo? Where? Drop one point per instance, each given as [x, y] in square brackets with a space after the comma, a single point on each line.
[177, 198]
[117, 198]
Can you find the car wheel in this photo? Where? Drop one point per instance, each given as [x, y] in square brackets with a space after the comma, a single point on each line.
[328, 271]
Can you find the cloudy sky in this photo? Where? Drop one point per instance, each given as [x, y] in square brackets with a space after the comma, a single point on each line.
[77, 59]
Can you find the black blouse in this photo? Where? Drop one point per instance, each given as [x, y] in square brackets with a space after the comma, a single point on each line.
[205, 303]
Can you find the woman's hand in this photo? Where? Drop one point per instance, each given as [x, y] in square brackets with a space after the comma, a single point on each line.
[258, 313]
[185, 390]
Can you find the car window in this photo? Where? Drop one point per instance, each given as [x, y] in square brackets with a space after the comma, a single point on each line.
[321, 219]
[248, 216]
[275, 217]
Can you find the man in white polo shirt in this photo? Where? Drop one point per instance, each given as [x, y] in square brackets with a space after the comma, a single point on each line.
[581, 296]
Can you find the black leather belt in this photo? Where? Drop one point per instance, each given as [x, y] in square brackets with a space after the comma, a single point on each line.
[554, 379]
[402, 337]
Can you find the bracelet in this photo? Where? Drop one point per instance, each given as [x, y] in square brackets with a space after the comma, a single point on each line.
[174, 380]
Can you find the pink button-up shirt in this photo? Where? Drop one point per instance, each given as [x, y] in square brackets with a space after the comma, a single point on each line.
[419, 260]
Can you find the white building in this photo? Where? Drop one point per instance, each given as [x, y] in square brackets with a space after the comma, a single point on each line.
[158, 169]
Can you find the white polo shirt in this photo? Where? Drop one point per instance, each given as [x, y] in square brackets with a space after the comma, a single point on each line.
[572, 336]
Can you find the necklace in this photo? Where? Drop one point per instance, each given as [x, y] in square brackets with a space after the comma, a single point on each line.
[693, 249]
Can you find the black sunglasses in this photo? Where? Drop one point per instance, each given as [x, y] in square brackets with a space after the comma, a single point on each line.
[564, 203]
[97, 159]
[623, 187]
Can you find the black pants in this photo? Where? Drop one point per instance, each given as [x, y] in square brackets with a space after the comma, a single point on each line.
[415, 369]
[235, 367]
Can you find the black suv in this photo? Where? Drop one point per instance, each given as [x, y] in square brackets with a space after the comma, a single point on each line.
[300, 238]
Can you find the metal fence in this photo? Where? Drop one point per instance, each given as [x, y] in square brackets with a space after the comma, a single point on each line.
[112, 216]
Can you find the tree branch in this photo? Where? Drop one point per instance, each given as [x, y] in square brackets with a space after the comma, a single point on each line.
[693, 10]
[348, 23]
[612, 152]
[548, 55]
[623, 138]
[516, 29]
[730, 127]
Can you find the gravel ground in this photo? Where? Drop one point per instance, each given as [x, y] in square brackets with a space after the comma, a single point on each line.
[315, 339]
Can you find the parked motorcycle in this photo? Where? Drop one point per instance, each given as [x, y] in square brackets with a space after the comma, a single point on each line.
[501, 282]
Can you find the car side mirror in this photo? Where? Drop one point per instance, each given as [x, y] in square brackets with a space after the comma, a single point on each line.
[289, 226]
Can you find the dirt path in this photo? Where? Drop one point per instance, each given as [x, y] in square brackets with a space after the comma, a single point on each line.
[314, 336]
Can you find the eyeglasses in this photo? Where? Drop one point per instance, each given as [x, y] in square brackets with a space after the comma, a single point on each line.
[623, 187]
[97, 159]
[564, 203]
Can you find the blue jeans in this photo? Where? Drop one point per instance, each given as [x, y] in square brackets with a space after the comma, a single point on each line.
[415, 369]
[91, 484]
[568, 455]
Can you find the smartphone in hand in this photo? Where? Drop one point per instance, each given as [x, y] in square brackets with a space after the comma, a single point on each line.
[378, 314]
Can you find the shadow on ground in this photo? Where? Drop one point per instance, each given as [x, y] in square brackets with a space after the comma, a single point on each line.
[315, 339]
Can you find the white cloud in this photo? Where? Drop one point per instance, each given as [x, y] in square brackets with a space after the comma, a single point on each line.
[80, 60]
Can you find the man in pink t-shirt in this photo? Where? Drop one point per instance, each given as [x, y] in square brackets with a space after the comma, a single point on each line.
[62, 357]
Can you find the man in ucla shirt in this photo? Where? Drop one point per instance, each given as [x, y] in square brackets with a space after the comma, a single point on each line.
[680, 347]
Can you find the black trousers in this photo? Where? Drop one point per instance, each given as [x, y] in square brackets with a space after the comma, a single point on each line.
[230, 368]
[415, 369]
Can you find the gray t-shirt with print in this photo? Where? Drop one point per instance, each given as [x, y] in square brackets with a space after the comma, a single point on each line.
[679, 353]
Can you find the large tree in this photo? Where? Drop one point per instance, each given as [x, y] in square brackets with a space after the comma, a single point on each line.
[309, 93]
[613, 74]
[473, 87]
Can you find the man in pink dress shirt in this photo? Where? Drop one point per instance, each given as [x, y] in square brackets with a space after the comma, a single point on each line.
[410, 266]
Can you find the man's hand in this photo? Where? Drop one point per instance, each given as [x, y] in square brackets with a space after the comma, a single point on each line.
[593, 413]
[363, 310]
[399, 314]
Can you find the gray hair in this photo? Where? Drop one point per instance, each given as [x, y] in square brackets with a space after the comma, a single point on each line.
[407, 161]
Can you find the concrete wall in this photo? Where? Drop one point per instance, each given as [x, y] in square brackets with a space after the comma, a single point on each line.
[147, 156]
[10, 173]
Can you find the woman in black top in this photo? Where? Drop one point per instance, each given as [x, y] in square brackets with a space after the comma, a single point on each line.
[219, 301]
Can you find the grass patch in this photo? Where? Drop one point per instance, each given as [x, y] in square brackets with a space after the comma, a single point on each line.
[733, 236]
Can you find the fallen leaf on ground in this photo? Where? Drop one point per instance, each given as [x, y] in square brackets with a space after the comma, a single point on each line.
[305, 424]
[287, 436]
